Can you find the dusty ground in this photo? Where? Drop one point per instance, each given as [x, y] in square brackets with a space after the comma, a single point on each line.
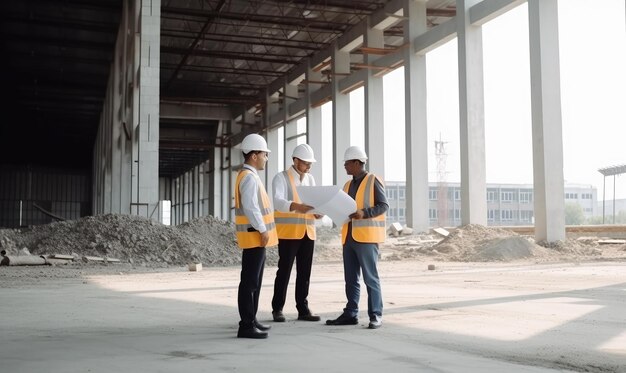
[496, 301]
[461, 317]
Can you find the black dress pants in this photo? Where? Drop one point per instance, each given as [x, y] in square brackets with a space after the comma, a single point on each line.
[252, 264]
[302, 252]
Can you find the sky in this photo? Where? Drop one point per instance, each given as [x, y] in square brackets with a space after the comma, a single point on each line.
[593, 97]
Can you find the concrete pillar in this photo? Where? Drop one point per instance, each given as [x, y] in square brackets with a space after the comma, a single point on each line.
[341, 114]
[274, 164]
[116, 121]
[314, 125]
[546, 117]
[472, 117]
[417, 202]
[374, 113]
[107, 153]
[216, 193]
[145, 134]
[126, 52]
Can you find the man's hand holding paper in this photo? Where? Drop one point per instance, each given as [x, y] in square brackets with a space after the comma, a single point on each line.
[328, 200]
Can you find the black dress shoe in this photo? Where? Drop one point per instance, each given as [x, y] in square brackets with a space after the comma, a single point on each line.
[278, 316]
[262, 327]
[309, 317]
[343, 320]
[253, 333]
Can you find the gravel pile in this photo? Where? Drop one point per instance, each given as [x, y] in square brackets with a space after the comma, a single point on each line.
[132, 239]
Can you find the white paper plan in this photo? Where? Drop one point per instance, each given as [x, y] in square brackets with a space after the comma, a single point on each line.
[329, 200]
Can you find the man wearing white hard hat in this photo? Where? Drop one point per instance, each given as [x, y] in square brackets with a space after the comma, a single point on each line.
[296, 234]
[255, 229]
[360, 238]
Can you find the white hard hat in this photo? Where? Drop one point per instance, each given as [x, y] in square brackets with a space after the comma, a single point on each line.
[254, 142]
[303, 152]
[355, 152]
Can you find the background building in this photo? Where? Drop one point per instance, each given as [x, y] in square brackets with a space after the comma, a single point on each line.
[507, 204]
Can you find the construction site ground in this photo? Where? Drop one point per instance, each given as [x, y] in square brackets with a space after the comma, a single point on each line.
[498, 303]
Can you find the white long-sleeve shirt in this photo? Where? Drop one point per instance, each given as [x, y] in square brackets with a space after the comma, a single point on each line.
[280, 188]
[248, 191]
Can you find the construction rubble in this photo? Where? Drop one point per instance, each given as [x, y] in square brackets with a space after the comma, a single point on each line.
[140, 242]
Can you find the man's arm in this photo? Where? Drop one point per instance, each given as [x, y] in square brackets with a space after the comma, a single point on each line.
[279, 195]
[381, 206]
[249, 190]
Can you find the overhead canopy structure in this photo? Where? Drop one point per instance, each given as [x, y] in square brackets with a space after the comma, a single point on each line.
[613, 170]
[57, 58]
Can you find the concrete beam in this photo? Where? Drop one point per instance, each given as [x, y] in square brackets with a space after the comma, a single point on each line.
[487, 10]
[352, 81]
[384, 19]
[352, 38]
[435, 37]
[194, 111]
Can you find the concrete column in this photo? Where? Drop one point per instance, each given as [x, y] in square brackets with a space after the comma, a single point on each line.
[145, 126]
[546, 116]
[127, 52]
[472, 117]
[207, 187]
[274, 164]
[374, 113]
[117, 145]
[417, 202]
[341, 114]
[215, 193]
[314, 125]
[107, 154]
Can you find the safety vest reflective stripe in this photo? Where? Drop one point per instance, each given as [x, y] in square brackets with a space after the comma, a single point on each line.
[367, 223]
[370, 230]
[247, 236]
[293, 220]
[245, 227]
[292, 225]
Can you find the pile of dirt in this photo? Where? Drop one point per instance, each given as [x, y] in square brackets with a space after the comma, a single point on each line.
[143, 242]
[132, 239]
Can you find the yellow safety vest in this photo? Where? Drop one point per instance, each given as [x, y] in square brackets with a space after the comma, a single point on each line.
[247, 236]
[293, 225]
[370, 230]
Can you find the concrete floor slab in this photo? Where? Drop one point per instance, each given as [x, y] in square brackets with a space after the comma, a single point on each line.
[462, 317]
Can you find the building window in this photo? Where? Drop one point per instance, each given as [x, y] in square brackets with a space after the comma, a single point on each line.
[491, 215]
[457, 214]
[492, 196]
[506, 215]
[571, 195]
[507, 197]
[526, 216]
[432, 214]
[586, 196]
[401, 193]
[457, 195]
[432, 194]
[391, 213]
[525, 197]
[401, 213]
[391, 194]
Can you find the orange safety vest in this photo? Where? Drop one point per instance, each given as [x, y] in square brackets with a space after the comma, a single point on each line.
[370, 230]
[247, 236]
[293, 225]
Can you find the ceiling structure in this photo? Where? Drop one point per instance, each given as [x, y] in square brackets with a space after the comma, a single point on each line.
[222, 53]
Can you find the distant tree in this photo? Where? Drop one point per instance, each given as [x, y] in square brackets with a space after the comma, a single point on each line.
[620, 218]
[594, 220]
[574, 214]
